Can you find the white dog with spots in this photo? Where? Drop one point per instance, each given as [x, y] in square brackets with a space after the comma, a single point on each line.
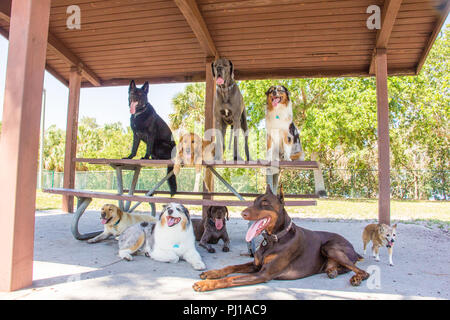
[174, 238]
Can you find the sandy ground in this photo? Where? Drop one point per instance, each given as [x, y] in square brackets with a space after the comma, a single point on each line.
[65, 268]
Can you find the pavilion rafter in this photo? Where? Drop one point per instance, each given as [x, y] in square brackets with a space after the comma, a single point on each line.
[194, 18]
[58, 47]
[388, 16]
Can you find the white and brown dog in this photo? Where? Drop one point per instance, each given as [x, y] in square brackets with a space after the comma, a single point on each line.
[283, 139]
[138, 237]
[173, 237]
[192, 150]
[115, 221]
[381, 235]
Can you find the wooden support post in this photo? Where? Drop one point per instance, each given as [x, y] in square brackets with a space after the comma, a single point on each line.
[71, 136]
[384, 186]
[210, 95]
[19, 143]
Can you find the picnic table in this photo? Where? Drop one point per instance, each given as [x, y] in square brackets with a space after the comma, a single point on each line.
[126, 197]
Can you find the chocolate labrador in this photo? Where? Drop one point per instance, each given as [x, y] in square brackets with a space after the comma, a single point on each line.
[210, 229]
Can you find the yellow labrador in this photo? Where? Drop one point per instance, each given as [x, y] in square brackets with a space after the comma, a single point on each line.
[115, 221]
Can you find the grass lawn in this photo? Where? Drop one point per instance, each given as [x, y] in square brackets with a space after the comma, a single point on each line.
[431, 212]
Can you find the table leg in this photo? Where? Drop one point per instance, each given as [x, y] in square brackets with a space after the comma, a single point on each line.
[82, 204]
[137, 171]
[150, 193]
[120, 185]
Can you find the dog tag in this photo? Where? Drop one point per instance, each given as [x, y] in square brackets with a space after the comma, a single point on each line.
[277, 117]
[264, 243]
[176, 246]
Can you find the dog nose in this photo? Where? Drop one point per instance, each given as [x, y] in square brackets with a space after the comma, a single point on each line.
[170, 211]
[245, 214]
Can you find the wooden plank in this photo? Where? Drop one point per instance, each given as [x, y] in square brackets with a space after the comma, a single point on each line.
[71, 136]
[437, 28]
[112, 196]
[384, 186]
[19, 143]
[224, 194]
[388, 16]
[210, 95]
[216, 164]
[61, 50]
[53, 72]
[195, 20]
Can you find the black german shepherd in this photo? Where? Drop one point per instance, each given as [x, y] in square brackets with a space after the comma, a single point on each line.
[148, 126]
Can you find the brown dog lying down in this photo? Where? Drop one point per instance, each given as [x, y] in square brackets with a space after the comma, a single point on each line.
[210, 229]
[287, 252]
[193, 150]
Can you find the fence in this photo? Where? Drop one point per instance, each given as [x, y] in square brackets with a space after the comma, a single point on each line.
[405, 184]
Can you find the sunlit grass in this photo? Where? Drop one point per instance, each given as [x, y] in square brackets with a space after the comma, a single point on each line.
[358, 209]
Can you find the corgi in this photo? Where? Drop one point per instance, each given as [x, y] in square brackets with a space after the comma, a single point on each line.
[380, 234]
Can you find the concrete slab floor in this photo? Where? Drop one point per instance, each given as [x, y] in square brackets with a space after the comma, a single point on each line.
[65, 268]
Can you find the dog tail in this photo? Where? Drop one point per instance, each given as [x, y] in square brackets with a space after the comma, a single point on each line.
[172, 182]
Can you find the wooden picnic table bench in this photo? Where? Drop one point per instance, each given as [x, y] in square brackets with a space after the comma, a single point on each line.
[126, 196]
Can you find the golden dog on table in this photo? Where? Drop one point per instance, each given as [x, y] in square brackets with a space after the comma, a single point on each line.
[194, 150]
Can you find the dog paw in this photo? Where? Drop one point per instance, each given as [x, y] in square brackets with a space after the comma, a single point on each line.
[355, 280]
[332, 273]
[91, 241]
[226, 249]
[211, 250]
[391, 264]
[202, 286]
[211, 274]
[199, 266]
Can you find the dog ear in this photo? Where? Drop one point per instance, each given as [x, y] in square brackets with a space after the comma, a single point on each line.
[213, 69]
[119, 212]
[268, 90]
[231, 69]
[287, 91]
[228, 215]
[394, 226]
[132, 86]
[145, 87]
[186, 212]
[162, 211]
[281, 194]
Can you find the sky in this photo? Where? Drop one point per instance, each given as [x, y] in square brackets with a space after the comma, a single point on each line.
[106, 105]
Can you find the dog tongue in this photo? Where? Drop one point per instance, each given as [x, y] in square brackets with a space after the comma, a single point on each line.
[133, 107]
[219, 80]
[103, 221]
[253, 230]
[275, 102]
[219, 224]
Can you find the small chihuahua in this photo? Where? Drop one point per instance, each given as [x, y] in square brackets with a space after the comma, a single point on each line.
[380, 235]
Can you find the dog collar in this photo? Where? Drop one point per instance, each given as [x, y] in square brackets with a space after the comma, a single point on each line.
[226, 88]
[115, 224]
[270, 238]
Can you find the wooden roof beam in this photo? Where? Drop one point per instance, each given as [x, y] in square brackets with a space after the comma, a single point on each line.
[5, 33]
[439, 23]
[58, 48]
[194, 18]
[388, 16]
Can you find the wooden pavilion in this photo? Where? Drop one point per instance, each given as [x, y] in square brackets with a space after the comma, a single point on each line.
[163, 41]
